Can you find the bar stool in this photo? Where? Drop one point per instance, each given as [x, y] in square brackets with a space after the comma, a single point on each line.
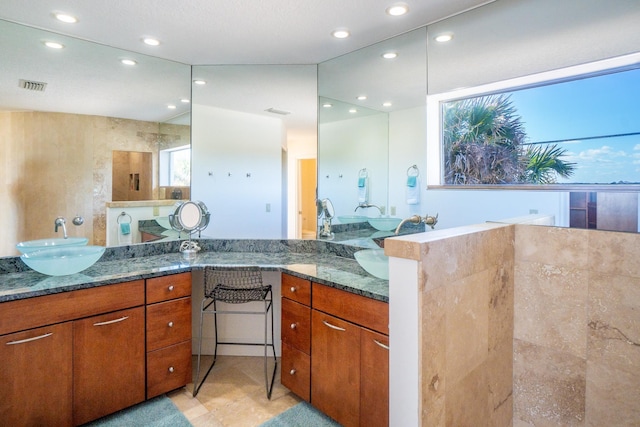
[236, 286]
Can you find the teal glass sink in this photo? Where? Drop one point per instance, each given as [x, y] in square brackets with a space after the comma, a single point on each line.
[385, 223]
[36, 245]
[63, 260]
[351, 219]
[374, 262]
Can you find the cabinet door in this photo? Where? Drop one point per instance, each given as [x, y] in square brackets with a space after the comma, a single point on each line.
[108, 363]
[335, 368]
[35, 378]
[374, 379]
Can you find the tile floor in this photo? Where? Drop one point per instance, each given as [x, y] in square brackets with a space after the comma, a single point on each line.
[234, 394]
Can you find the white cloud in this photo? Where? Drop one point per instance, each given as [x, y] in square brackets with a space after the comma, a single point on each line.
[604, 153]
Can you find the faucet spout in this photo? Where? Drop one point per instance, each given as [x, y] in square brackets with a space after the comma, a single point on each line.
[368, 205]
[61, 222]
[417, 219]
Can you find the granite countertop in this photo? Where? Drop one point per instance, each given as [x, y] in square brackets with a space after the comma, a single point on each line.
[327, 263]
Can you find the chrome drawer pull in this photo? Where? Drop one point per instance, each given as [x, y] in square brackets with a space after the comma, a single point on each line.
[171, 288]
[386, 347]
[337, 328]
[171, 369]
[293, 326]
[109, 322]
[170, 324]
[293, 289]
[39, 337]
[292, 372]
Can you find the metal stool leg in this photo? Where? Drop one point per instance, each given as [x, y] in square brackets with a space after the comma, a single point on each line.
[268, 306]
[196, 386]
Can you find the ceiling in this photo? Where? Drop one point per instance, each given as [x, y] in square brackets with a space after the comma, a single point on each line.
[205, 32]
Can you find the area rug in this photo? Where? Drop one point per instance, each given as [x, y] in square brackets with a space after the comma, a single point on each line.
[301, 415]
[157, 412]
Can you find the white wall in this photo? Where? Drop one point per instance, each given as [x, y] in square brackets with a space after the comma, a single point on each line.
[348, 146]
[230, 145]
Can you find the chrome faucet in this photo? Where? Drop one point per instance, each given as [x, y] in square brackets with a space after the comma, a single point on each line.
[60, 222]
[417, 219]
[368, 205]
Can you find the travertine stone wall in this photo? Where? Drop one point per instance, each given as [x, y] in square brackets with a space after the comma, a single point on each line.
[577, 327]
[467, 327]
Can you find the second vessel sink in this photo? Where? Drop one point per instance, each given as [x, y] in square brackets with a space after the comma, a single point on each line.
[63, 260]
[35, 245]
[374, 261]
[385, 223]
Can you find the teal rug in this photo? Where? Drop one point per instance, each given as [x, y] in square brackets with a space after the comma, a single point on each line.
[301, 415]
[157, 412]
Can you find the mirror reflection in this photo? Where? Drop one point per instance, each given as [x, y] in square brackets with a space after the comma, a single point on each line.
[63, 113]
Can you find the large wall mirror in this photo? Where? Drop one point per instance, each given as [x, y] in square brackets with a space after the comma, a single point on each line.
[62, 114]
[371, 112]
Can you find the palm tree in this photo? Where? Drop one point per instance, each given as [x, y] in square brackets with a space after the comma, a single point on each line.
[483, 139]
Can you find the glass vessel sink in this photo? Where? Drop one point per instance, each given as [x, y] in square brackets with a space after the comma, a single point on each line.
[351, 219]
[385, 223]
[374, 261]
[63, 260]
[36, 245]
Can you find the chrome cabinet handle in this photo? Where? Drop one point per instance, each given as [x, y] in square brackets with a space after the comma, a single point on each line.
[170, 324]
[337, 328]
[293, 326]
[293, 289]
[171, 369]
[386, 347]
[292, 372]
[171, 288]
[39, 337]
[109, 322]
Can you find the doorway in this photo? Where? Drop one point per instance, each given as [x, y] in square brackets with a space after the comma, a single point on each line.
[307, 184]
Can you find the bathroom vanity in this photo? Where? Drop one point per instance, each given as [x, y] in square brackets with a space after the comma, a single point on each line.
[119, 333]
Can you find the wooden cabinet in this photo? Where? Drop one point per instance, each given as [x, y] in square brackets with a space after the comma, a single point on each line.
[36, 377]
[168, 333]
[335, 351]
[72, 357]
[108, 363]
[296, 336]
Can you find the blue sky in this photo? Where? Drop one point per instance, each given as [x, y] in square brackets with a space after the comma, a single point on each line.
[603, 105]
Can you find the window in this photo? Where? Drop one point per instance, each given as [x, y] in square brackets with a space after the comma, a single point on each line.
[175, 170]
[577, 129]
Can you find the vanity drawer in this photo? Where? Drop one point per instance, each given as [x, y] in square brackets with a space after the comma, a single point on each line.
[168, 369]
[296, 325]
[168, 323]
[363, 311]
[296, 289]
[296, 372]
[168, 287]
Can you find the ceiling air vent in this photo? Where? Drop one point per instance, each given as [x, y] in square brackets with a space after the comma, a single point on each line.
[276, 111]
[32, 85]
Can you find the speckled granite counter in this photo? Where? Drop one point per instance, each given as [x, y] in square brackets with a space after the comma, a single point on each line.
[322, 262]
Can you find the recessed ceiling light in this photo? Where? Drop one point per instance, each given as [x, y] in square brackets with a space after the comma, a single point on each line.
[390, 55]
[361, 97]
[128, 61]
[171, 107]
[54, 45]
[397, 9]
[353, 110]
[340, 33]
[443, 38]
[327, 105]
[69, 19]
[151, 41]
[386, 104]
[185, 101]
[199, 82]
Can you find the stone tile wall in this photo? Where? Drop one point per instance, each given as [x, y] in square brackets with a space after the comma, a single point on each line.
[576, 327]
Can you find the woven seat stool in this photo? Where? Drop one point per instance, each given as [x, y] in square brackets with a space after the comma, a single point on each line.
[236, 287]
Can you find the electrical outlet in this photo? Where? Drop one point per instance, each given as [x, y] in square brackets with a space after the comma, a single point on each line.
[268, 208]
[156, 211]
[382, 210]
[533, 211]
[393, 210]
